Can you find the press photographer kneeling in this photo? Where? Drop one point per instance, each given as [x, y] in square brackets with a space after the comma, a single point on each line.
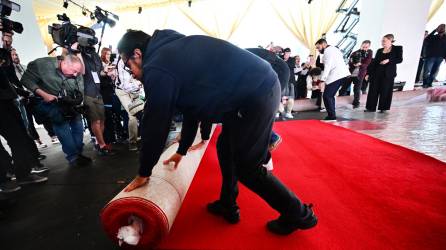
[58, 86]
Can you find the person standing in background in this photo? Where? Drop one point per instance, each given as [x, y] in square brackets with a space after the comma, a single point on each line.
[435, 54]
[334, 75]
[382, 73]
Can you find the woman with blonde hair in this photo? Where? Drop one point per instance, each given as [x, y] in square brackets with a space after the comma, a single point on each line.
[382, 72]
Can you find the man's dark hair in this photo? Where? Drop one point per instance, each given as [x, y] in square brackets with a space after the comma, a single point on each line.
[133, 39]
[321, 41]
[366, 42]
[315, 72]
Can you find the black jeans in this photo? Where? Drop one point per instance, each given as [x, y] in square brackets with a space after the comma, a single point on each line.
[242, 147]
[329, 96]
[13, 130]
[380, 93]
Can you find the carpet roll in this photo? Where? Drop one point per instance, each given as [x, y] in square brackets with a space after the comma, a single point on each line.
[156, 204]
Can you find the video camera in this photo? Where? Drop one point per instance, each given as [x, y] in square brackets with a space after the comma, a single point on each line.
[66, 34]
[6, 7]
[359, 56]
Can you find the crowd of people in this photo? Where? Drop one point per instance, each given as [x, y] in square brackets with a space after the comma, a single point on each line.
[83, 90]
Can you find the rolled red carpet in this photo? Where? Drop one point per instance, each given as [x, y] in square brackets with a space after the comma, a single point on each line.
[368, 194]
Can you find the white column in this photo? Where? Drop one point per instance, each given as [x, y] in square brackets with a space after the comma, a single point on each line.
[29, 44]
[406, 19]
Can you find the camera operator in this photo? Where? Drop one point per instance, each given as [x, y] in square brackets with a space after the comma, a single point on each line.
[19, 71]
[92, 94]
[58, 86]
[13, 130]
[358, 63]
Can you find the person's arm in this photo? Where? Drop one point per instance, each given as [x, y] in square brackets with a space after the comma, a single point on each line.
[328, 64]
[397, 56]
[31, 79]
[162, 92]
[188, 133]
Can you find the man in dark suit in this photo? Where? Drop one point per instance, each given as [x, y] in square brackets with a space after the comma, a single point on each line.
[218, 82]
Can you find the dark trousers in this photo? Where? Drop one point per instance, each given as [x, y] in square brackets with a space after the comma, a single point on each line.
[32, 130]
[205, 130]
[329, 96]
[14, 132]
[419, 70]
[380, 92]
[431, 67]
[356, 90]
[242, 147]
[317, 94]
[113, 128]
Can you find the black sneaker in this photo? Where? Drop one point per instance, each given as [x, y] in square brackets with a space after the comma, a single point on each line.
[84, 159]
[369, 111]
[355, 106]
[106, 152]
[284, 226]
[39, 169]
[32, 179]
[328, 118]
[9, 187]
[231, 215]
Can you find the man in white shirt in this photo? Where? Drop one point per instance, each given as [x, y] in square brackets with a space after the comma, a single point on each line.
[127, 88]
[334, 75]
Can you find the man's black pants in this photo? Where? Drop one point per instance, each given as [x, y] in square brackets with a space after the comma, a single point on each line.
[242, 147]
[14, 132]
[329, 96]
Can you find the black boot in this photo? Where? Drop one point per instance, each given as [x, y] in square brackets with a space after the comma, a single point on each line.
[230, 214]
[283, 226]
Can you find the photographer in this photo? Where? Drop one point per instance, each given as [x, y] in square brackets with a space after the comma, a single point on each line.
[58, 86]
[14, 132]
[358, 63]
[92, 93]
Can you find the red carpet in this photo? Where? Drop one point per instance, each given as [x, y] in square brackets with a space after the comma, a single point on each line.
[368, 194]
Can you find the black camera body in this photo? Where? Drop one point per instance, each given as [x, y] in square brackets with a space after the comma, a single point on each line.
[66, 34]
[6, 8]
[358, 56]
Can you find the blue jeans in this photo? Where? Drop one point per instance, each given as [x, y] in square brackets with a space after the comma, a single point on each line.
[329, 96]
[70, 132]
[431, 67]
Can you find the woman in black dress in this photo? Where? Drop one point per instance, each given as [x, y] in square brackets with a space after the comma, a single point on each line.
[382, 73]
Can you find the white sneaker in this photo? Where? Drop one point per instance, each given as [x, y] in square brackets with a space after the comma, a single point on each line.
[269, 166]
[289, 116]
[277, 115]
[41, 145]
[322, 110]
[54, 140]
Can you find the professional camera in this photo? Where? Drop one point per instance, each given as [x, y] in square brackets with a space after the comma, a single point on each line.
[66, 34]
[6, 7]
[358, 56]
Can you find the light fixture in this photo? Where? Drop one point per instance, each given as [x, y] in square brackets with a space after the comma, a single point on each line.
[65, 4]
[91, 16]
[309, 1]
[139, 10]
[189, 3]
[84, 12]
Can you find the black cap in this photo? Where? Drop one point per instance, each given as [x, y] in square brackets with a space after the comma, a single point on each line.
[286, 50]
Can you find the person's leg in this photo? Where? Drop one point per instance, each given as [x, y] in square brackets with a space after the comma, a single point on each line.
[356, 91]
[49, 128]
[5, 161]
[97, 128]
[250, 139]
[345, 87]
[329, 97]
[126, 99]
[77, 132]
[434, 71]
[427, 72]
[14, 132]
[66, 138]
[205, 130]
[419, 69]
[31, 129]
[373, 94]
[386, 94]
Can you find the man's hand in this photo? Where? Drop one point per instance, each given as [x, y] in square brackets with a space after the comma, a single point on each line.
[357, 65]
[197, 146]
[383, 62]
[367, 77]
[176, 158]
[136, 183]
